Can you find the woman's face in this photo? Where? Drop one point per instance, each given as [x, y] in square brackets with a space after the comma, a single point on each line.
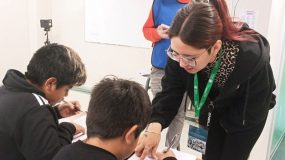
[186, 53]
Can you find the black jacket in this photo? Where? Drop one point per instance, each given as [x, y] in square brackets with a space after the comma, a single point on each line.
[243, 102]
[29, 128]
[80, 150]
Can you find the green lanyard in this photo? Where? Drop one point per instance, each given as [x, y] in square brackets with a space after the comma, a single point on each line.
[199, 103]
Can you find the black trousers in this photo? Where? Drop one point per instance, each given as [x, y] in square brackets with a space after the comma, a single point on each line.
[230, 146]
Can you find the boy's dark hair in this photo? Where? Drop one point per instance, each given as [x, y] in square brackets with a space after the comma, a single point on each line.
[57, 61]
[115, 106]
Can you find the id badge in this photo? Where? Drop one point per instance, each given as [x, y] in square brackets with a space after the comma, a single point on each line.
[197, 137]
[198, 134]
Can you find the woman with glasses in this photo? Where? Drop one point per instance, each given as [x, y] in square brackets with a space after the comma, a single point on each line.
[224, 67]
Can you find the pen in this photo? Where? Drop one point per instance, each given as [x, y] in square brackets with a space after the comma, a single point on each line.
[172, 142]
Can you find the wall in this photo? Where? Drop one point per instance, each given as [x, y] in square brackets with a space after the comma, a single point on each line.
[100, 59]
[276, 36]
[116, 22]
[279, 126]
[20, 32]
[262, 9]
[14, 31]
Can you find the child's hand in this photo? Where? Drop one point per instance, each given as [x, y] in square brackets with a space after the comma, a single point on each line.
[78, 129]
[162, 155]
[70, 108]
[162, 31]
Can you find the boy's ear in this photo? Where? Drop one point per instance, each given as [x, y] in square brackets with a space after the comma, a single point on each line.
[130, 134]
[50, 84]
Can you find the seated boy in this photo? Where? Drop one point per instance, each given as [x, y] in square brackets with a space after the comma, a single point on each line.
[29, 128]
[118, 111]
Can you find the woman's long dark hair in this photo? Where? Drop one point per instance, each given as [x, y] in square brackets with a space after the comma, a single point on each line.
[201, 24]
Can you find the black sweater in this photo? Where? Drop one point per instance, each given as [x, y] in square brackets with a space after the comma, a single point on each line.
[29, 128]
[243, 102]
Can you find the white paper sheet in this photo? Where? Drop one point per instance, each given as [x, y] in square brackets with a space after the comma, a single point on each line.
[178, 154]
[78, 119]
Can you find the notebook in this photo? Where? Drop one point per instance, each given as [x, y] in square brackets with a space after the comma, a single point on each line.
[178, 154]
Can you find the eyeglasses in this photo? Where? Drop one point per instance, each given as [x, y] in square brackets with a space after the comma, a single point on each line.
[186, 60]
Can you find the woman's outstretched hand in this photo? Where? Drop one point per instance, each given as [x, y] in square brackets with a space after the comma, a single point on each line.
[148, 141]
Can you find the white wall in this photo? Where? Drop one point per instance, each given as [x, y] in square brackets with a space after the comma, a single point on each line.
[100, 59]
[14, 35]
[261, 7]
[20, 32]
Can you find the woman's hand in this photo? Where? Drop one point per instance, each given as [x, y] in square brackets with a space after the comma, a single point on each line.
[70, 108]
[149, 141]
[162, 155]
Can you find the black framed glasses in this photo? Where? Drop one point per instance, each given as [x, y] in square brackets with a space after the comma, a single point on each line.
[192, 61]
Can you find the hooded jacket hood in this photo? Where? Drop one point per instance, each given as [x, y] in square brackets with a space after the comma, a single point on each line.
[16, 81]
[254, 56]
[251, 59]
